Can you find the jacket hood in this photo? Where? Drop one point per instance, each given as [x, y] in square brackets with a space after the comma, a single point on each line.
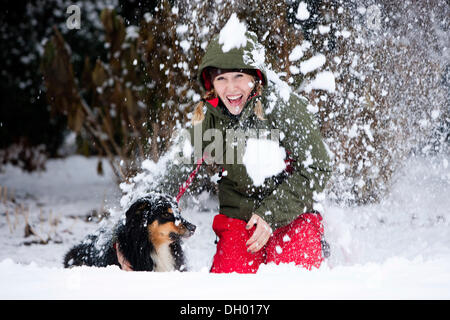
[247, 57]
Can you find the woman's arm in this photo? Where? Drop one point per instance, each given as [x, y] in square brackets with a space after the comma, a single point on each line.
[311, 165]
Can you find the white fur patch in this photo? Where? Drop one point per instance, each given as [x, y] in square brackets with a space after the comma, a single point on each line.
[163, 259]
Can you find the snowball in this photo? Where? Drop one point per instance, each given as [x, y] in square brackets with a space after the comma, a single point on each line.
[182, 29]
[302, 12]
[312, 109]
[312, 63]
[298, 51]
[131, 33]
[185, 45]
[263, 158]
[232, 34]
[324, 29]
[323, 81]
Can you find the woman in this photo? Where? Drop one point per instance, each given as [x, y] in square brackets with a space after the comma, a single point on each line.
[274, 221]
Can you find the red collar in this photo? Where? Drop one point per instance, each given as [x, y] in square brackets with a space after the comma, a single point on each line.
[214, 102]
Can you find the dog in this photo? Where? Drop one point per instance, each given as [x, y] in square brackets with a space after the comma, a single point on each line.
[149, 238]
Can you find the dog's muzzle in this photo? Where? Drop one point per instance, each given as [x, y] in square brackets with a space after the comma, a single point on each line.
[189, 227]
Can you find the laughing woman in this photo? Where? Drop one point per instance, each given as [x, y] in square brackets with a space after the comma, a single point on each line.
[274, 221]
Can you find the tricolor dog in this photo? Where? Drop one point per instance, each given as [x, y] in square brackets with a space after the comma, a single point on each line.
[149, 238]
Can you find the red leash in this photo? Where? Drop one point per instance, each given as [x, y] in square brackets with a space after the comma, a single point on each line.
[189, 180]
[289, 169]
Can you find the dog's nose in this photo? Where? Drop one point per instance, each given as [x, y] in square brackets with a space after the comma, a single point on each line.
[190, 227]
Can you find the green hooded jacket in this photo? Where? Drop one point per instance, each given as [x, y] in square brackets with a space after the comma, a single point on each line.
[282, 197]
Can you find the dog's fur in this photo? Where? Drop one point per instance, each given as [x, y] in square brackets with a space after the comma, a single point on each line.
[150, 238]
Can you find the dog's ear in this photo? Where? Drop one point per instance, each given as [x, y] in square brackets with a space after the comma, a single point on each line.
[138, 210]
[134, 237]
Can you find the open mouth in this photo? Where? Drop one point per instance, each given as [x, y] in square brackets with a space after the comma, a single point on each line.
[174, 236]
[186, 232]
[177, 236]
[235, 100]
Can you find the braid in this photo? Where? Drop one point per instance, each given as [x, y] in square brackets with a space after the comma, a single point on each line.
[198, 114]
[259, 111]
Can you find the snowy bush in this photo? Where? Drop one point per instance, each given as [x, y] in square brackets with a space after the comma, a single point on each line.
[25, 116]
[24, 156]
[389, 101]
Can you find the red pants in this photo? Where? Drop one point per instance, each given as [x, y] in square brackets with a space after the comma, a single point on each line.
[298, 242]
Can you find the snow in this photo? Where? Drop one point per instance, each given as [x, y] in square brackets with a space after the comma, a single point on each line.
[302, 11]
[185, 45]
[182, 29]
[262, 159]
[235, 35]
[344, 33]
[299, 50]
[396, 278]
[324, 29]
[323, 81]
[393, 279]
[312, 63]
[398, 249]
[232, 35]
[353, 132]
[312, 109]
[132, 33]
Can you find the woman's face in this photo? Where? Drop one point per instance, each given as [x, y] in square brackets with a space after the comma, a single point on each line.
[234, 89]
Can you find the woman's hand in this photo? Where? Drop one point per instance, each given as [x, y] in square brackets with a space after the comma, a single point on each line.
[261, 235]
[124, 264]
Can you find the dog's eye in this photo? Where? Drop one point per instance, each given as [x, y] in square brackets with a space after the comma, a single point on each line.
[167, 215]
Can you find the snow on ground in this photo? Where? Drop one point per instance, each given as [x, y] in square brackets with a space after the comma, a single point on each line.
[398, 249]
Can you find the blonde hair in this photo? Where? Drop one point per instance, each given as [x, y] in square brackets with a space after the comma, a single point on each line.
[199, 115]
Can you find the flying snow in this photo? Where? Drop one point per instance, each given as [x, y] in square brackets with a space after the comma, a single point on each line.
[232, 34]
[323, 81]
[299, 50]
[302, 12]
[312, 64]
[263, 158]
